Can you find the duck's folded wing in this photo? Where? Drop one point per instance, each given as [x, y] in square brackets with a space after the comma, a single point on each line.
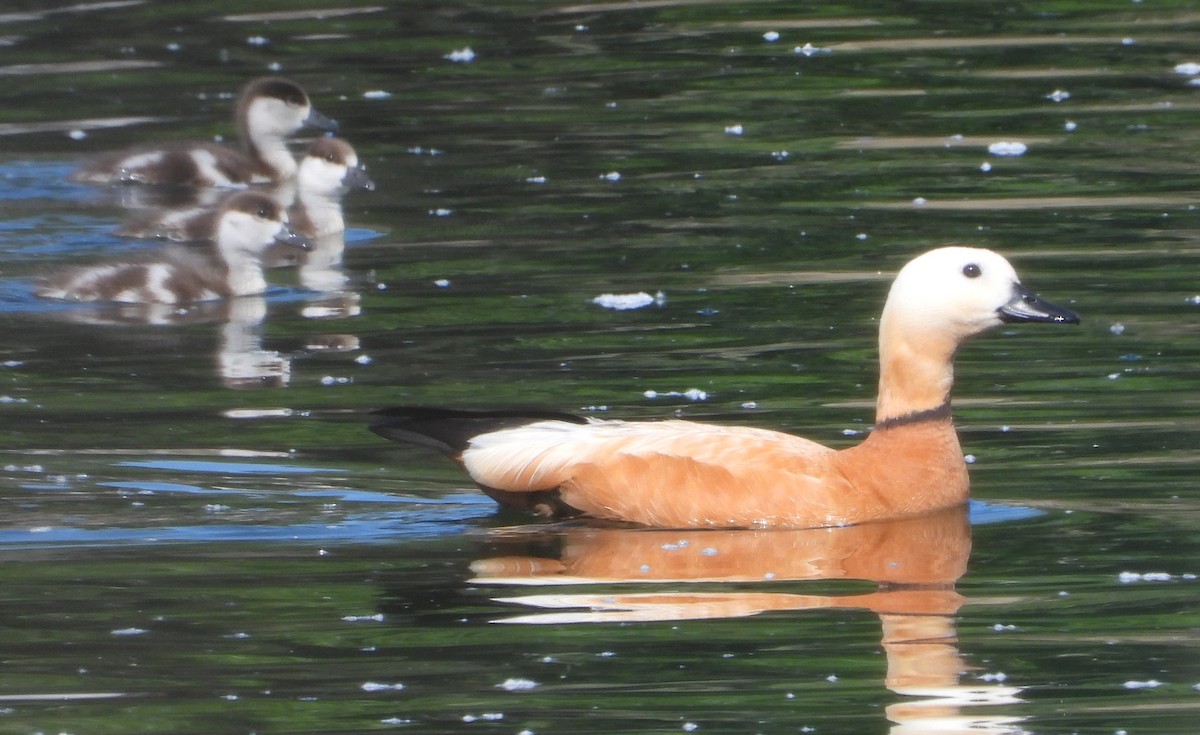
[674, 473]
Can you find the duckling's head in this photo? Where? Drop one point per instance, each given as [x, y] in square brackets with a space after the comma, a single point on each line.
[273, 107]
[249, 222]
[953, 293]
[329, 165]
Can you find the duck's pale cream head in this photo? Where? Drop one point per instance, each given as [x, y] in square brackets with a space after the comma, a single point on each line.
[960, 292]
[938, 300]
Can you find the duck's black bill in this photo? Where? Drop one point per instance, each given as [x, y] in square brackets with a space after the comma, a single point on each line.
[356, 178]
[293, 239]
[317, 121]
[1025, 306]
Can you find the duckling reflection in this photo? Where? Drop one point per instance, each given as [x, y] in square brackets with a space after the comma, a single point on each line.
[241, 360]
[320, 269]
[914, 562]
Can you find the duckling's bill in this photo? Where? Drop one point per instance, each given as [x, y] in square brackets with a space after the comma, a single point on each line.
[288, 236]
[317, 121]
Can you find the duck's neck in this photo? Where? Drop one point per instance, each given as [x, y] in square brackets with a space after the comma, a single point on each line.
[916, 373]
[272, 156]
[245, 273]
[323, 213]
[911, 461]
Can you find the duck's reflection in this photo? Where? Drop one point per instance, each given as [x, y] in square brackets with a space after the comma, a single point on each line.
[241, 360]
[914, 562]
[320, 268]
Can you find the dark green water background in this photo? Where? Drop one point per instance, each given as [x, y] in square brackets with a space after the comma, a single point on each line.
[183, 553]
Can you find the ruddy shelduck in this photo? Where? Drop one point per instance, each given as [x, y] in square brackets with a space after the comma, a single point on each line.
[677, 474]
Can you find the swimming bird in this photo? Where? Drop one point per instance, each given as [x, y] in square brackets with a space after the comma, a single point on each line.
[677, 474]
[269, 110]
[248, 224]
[327, 170]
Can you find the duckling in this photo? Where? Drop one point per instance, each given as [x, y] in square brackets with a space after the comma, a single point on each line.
[329, 168]
[326, 171]
[249, 222]
[269, 110]
[678, 474]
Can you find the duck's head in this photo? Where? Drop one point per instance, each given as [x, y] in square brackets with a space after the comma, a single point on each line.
[960, 292]
[329, 165]
[938, 300]
[250, 222]
[277, 107]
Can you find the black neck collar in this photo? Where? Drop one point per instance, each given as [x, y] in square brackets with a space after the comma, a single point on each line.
[938, 413]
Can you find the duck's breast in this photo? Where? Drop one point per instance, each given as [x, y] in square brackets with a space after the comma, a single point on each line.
[905, 470]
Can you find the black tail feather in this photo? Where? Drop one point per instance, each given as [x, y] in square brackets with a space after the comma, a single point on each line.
[448, 430]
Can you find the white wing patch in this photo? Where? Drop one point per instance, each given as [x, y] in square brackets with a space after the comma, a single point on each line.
[80, 285]
[544, 455]
[152, 288]
[206, 165]
[129, 169]
[529, 458]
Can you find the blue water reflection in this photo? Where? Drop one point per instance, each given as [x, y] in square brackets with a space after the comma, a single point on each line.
[33, 180]
[422, 518]
[408, 525]
[226, 468]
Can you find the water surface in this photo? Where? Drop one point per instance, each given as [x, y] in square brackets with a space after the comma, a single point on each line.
[199, 536]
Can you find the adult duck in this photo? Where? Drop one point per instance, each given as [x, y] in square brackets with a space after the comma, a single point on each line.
[677, 474]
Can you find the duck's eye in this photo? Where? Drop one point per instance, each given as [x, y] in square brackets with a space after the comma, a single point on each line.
[331, 158]
[971, 270]
[263, 213]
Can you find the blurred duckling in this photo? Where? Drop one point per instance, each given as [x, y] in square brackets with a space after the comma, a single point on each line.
[327, 170]
[247, 225]
[269, 110]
